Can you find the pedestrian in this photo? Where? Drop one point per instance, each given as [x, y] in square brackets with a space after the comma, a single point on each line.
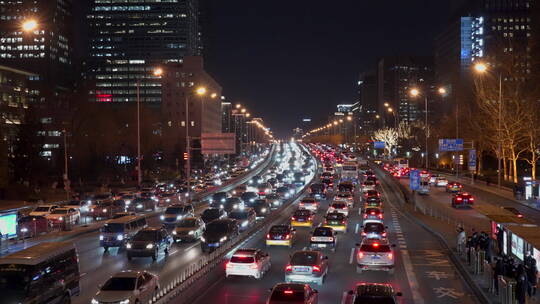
[500, 240]
[521, 284]
[461, 240]
[532, 274]
[498, 270]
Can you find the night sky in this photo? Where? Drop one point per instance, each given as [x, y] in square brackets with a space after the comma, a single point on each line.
[286, 60]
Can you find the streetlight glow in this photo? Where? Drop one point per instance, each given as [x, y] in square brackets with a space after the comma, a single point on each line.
[349, 118]
[214, 95]
[386, 104]
[201, 91]
[238, 106]
[390, 110]
[415, 92]
[442, 91]
[158, 72]
[480, 67]
[29, 25]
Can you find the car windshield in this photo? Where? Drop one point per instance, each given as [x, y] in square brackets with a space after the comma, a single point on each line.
[188, 223]
[339, 205]
[373, 211]
[14, 279]
[145, 236]
[119, 284]
[233, 200]
[322, 232]
[211, 213]
[317, 187]
[308, 201]
[174, 210]
[238, 215]
[375, 248]
[346, 195]
[60, 211]
[288, 296]
[372, 193]
[242, 259]
[113, 228]
[304, 258]
[279, 229]
[368, 183]
[335, 216]
[102, 196]
[219, 195]
[216, 227]
[302, 213]
[42, 209]
[374, 227]
[374, 300]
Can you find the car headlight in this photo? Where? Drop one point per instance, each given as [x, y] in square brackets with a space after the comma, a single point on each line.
[168, 200]
[235, 206]
[203, 239]
[104, 210]
[192, 232]
[223, 239]
[101, 237]
[221, 206]
[139, 206]
[223, 200]
[245, 223]
[94, 301]
[119, 237]
[210, 200]
[162, 217]
[126, 301]
[174, 232]
[60, 218]
[263, 210]
[128, 202]
[149, 246]
[128, 246]
[251, 200]
[179, 217]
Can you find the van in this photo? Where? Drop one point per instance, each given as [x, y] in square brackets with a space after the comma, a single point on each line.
[116, 232]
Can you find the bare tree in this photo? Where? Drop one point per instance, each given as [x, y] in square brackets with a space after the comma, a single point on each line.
[390, 138]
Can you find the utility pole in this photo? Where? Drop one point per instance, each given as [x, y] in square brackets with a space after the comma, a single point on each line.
[139, 173]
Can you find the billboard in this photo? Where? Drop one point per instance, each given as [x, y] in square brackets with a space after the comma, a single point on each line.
[414, 179]
[218, 143]
[451, 144]
[379, 145]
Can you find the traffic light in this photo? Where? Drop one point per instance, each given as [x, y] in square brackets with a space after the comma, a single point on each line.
[186, 156]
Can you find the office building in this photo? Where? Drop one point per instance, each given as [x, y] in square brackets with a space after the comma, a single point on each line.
[129, 40]
[367, 99]
[226, 116]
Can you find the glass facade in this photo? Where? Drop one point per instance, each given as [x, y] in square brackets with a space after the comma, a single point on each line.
[129, 39]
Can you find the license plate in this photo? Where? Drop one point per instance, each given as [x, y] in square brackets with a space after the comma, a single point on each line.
[465, 200]
[301, 220]
[301, 269]
[213, 244]
[376, 257]
[321, 245]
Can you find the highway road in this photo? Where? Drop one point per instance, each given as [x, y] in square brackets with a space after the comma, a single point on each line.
[424, 273]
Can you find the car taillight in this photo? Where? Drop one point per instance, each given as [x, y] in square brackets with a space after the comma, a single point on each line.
[310, 218]
[331, 239]
[365, 215]
[390, 256]
[288, 292]
[288, 268]
[316, 269]
[293, 218]
[380, 216]
[227, 265]
[471, 199]
[301, 204]
[288, 236]
[519, 215]
[268, 236]
[253, 266]
[459, 199]
[384, 234]
[343, 222]
[360, 254]
[363, 233]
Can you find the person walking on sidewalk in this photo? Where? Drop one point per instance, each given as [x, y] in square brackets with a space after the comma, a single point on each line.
[498, 270]
[521, 285]
[532, 274]
[461, 240]
[500, 240]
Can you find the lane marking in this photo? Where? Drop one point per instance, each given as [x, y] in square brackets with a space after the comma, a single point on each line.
[191, 247]
[344, 297]
[356, 228]
[352, 255]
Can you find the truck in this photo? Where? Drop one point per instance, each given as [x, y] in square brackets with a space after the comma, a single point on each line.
[349, 172]
[424, 183]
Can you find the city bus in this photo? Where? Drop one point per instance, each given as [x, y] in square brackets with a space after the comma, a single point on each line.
[44, 273]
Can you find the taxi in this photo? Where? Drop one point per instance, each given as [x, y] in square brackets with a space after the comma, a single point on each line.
[281, 235]
[302, 218]
[336, 221]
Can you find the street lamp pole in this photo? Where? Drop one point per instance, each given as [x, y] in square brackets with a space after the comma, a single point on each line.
[66, 170]
[188, 151]
[499, 148]
[139, 173]
[427, 130]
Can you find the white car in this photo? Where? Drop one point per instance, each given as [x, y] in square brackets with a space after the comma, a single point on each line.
[309, 204]
[340, 207]
[375, 255]
[248, 262]
[64, 215]
[368, 185]
[43, 210]
[441, 181]
[82, 205]
[128, 287]
[346, 197]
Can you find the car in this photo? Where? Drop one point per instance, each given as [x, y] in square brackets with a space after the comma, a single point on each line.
[148, 242]
[188, 229]
[441, 181]
[327, 175]
[299, 179]
[239, 190]
[122, 214]
[368, 185]
[302, 218]
[462, 199]
[128, 287]
[375, 255]
[106, 209]
[346, 186]
[248, 262]
[340, 207]
[249, 197]
[261, 208]
[293, 293]
[307, 267]
[373, 230]
[318, 190]
[167, 198]
[345, 196]
[284, 192]
[372, 293]
[328, 182]
[142, 204]
[433, 179]
[372, 178]
[372, 201]
[212, 214]
[274, 200]
[128, 198]
[329, 170]
[309, 203]
[69, 216]
[82, 205]
[514, 211]
[218, 198]
[245, 217]
[264, 189]
[281, 235]
[323, 238]
[217, 233]
[454, 187]
[43, 210]
[233, 203]
[336, 221]
[373, 214]
[371, 193]
[175, 213]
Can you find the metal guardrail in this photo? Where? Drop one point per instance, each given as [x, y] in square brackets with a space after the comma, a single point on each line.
[181, 284]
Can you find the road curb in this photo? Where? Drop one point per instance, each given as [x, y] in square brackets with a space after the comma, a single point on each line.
[406, 196]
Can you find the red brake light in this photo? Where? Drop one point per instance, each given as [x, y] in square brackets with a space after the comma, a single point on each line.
[365, 215]
[380, 216]
[384, 234]
[375, 245]
[288, 268]
[390, 256]
[316, 269]
[227, 264]
[268, 236]
[520, 215]
[288, 292]
[293, 218]
[288, 236]
[363, 233]
[360, 254]
[372, 213]
[471, 199]
[459, 199]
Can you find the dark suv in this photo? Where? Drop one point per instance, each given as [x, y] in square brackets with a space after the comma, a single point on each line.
[372, 293]
[149, 242]
[217, 233]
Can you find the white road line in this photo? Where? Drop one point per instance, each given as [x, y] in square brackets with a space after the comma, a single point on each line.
[402, 246]
[83, 274]
[356, 228]
[344, 297]
[352, 255]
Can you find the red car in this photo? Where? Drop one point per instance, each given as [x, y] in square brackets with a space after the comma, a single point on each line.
[454, 187]
[462, 199]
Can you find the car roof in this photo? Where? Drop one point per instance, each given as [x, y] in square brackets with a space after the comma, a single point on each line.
[246, 251]
[151, 229]
[47, 205]
[290, 286]
[375, 289]
[128, 274]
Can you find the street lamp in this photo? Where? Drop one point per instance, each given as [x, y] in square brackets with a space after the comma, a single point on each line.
[415, 93]
[29, 25]
[482, 68]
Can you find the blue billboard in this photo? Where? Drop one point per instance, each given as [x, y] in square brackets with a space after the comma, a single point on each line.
[379, 145]
[451, 144]
[414, 180]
